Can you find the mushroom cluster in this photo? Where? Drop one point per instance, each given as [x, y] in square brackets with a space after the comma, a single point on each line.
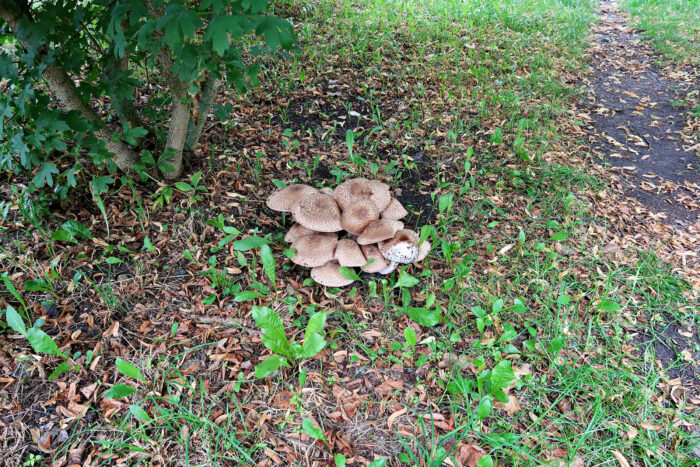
[349, 226]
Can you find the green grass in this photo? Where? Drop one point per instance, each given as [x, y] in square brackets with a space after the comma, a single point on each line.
[518, 269]
[673, 26]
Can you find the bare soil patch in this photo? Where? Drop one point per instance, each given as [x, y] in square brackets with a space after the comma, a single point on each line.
[640, 128]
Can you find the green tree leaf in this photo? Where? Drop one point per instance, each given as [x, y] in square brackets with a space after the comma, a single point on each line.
[406, 280]
[77, 229]
[119, 391]
[349, 273]
[270, 364]
[509, 333]
[424, 316]
[485, 461]
[60, 369]
[42, 342]
[128, 369]
[249, 243]
[183, 186]
[556, 345]
[277, 32]
[11, 288]
[316, 323]
[15, 321]
[268, 262]
[247, 295]
[220, 29]
[311, 430]
[485, 407]
[502, 374]
[62, 235]
[139, 413]
[313, 344]
[101, 184]
[313, 336]
[271, 325]
[44, 175]
[377, 463]
[34, 285]
[410, 335]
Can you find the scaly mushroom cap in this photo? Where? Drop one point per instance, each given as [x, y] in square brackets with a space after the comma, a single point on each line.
[394, 211]
[314, 250]
[380, 194]
[389, 269]
[287, 198]
[318, 212]
[379, 230]
[351, 190]
[423, 251]
[297, 231]
[372, 252]
[348, 254]
[358, 215]
[403, 248]
[329, 275]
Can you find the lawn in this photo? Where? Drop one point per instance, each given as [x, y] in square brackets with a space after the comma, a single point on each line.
[527, 337]
[673, 26]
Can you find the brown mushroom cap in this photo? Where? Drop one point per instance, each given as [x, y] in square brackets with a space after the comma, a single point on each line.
[326, 191]
[394, 211]
[355, 189]
[329, 275]
[348, 253]
[380, 194]
[423, 251]
[351, 190]
[402, 248]
[287, 198]
[406, 235]
[318, 212]
[297, 231]
[372, 252]
[379, 230]
[358, 215]
[314, 250]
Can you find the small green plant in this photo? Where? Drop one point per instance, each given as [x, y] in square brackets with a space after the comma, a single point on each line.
[275, 339]
[32, 460]
[350, 142]
[193, 187]
[41, 342]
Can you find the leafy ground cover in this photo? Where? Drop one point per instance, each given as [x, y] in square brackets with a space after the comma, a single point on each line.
[673, 26]
[530, 337]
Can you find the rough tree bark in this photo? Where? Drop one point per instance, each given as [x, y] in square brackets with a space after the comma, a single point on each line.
[179, 116]
[202, 107]
[63, 88]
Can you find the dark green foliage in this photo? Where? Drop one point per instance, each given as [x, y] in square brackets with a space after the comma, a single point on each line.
[59, 61]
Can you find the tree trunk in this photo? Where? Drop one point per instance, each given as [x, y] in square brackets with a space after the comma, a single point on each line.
[203, 104]
[177, 134]
[124, 108]
[179, 118]
[63, 88]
